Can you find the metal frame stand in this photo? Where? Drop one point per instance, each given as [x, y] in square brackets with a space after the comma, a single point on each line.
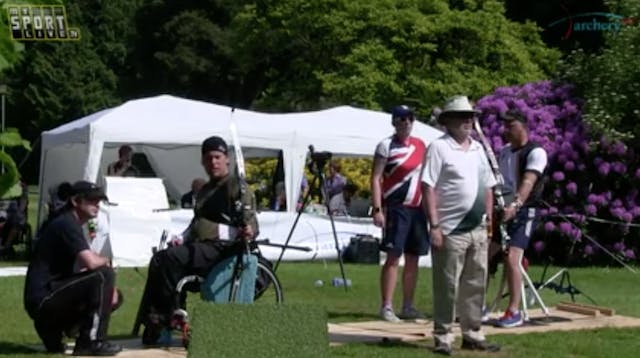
[524, 301]
[319, 176]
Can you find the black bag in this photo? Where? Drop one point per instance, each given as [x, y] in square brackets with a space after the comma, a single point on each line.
[363, 249]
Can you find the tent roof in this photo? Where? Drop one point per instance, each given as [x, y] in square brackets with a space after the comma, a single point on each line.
[169, 119]
[169, 129]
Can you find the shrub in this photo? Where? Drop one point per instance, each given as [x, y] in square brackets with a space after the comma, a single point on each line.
[589, 185]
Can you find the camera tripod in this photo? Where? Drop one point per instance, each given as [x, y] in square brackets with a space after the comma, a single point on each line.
[316, 166]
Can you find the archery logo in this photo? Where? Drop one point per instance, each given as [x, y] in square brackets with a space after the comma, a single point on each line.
[591, 21]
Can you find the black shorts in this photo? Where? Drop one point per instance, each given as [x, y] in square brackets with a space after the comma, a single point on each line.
[405, 231]
[520, 228]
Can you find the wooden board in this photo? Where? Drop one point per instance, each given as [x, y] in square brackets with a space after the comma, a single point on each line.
[604, 310]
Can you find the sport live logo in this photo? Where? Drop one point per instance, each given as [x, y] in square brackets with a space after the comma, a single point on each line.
[40, 23]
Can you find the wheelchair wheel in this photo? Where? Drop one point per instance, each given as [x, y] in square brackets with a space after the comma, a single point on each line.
[268, 288]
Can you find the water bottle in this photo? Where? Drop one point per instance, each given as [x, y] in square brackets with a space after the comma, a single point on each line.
[339, 282]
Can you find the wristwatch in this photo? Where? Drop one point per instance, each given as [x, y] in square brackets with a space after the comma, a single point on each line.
[377, 210]
[435, 226]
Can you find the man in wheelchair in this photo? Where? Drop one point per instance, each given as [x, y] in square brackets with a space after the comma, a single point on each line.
[215, 211]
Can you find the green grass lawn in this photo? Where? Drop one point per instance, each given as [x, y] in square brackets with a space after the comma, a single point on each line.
[611, 287]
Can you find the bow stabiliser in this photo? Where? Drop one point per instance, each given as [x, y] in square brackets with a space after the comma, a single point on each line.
[497, 189]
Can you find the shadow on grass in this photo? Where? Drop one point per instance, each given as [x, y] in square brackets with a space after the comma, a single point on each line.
[398, 343]
[358, 316]
[10, 349]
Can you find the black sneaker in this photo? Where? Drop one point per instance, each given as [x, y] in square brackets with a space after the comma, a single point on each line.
[151, 335]
[97, 349]
[479, 345]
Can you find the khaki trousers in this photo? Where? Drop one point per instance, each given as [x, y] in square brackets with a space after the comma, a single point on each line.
[459, 280]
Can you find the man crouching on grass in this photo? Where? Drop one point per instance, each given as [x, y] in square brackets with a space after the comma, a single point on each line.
[57, 297]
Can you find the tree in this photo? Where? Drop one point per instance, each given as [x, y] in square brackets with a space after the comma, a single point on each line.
[186, 48]
[280, 55]
[10, 50]
[610, 80]
[589, 190]
[54, 82]
[10, 176]
[377, 53]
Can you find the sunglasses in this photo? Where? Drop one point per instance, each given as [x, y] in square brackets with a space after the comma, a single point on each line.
[405, 118]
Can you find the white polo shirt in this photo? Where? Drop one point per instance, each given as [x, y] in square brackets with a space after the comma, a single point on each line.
[460, 179]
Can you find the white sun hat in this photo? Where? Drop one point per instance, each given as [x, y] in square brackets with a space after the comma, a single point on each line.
[457, 104]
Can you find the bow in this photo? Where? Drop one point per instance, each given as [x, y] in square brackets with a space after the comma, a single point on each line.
[497, 189]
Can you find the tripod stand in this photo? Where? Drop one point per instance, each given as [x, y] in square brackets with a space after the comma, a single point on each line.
[316, 166]
[565, 277]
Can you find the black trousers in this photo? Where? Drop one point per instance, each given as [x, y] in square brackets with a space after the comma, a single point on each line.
[82, 300]
[168, 267]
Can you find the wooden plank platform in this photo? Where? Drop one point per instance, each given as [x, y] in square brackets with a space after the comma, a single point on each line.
[377, 331]
[558, 320]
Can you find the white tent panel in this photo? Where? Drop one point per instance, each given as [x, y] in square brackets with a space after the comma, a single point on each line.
[169, 131]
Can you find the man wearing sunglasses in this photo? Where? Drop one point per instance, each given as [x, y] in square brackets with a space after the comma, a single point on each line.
[397, 200]
[457, 185]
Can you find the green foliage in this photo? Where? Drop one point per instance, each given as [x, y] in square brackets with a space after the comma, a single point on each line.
[10, 175]
[59, 81]
[260, 172]
[10, 50]
[377, 53]
[610, 80]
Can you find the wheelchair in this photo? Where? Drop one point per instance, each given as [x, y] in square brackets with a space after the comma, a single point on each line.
[266, 288]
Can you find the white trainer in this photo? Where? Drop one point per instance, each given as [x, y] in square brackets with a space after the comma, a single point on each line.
[388, 315]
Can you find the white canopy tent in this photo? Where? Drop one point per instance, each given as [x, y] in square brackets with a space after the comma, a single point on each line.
[169, 131]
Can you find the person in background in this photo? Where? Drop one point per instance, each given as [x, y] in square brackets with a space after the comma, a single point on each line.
[334, 182]
[280, 201]
[457, 186]
[304, 190]
[57, 297]
[123, 166]
[397, 200]
[340, 204]
[13, 220]
[188, 200]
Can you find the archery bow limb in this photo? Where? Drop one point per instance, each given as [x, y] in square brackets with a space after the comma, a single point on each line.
[497, 189]
[242, 208]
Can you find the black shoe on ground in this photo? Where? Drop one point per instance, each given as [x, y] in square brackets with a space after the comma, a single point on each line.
[97, 349]
[151, 335]
[443, 349]
[479, 345]
[59, 348]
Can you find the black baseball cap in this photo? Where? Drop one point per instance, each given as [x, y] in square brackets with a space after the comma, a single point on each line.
[214, 143]
[513, 115]
[88, 190]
